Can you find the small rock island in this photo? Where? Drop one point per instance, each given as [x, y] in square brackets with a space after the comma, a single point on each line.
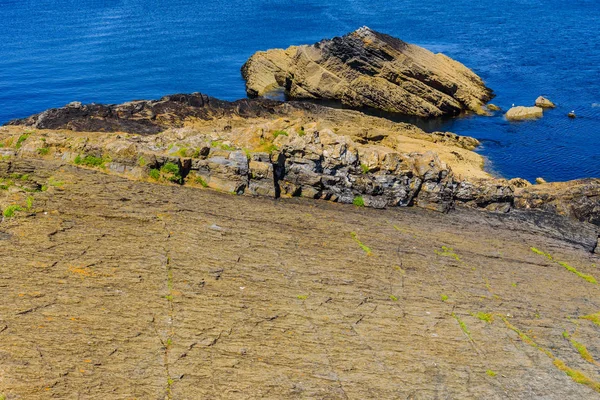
[366, 68]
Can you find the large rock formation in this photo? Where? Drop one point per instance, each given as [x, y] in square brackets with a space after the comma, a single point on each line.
[369, 69]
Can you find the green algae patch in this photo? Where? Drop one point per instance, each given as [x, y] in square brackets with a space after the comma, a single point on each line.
[463, 326]
[587, 277]
[576, 376]
[566, 266]
[358, 201]
[581, 349]
[486, 317]
[491, 373]
[361, 244]
[447, 252]
[595, 318]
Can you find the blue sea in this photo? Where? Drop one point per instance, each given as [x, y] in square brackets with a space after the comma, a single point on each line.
[53, 52]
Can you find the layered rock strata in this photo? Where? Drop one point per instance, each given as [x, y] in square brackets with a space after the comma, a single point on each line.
[366, 68]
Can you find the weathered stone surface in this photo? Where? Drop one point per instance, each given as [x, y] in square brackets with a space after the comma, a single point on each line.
[369, 69]
[151, 116]
[114, 288]
[578, 199]
[544, 102]
[519, 182]
[522, 113]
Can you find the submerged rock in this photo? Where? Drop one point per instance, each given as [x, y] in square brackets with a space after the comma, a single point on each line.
[544, 102]
[366, 68]
[522, 113]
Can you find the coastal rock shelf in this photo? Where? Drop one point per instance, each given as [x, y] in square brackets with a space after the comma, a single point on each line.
[366, 68]
[268, 148]
[129, 289]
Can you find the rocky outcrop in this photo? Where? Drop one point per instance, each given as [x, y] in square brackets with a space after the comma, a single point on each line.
[152, 116]
[578, 199]
[544, 102]
[520, 113]
[366, 68]
[274, 149]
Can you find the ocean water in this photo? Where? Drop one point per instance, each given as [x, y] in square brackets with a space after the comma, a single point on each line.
[110, 51]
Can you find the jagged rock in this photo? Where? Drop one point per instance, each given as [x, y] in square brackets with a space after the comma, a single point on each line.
[262, 176]
[494, 195]
[540, 181]
[519, 182]
[493, 107]
[369, 69]
[544, 102]
[152, 116]
[578, 199]
[224, 170]
[521, 113]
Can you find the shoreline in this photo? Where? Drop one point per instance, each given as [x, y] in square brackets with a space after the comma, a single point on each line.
[287, 149]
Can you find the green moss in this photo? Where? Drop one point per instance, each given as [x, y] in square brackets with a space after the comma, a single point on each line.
[588, 278]
[276, 134]
[142, 161]
[154, 174]
[43, 151]
[362, 246]
[90, 161]
[569, 268]
[447, 252]
[581, 349]
[201, 181]
[5, 184]
[301, 132]
[302, 297]
[491, 373]
[10, 211]
[21, 140]
[364, 168]
[444, 298]
[537, 251]
[359, 201]
[29, 202]
[393, 298]
[170, 172]
[182, 152]
[462, 325]
[487, 317]
[53, 182]
[595, 318]
[576, 376]
[222, 146]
